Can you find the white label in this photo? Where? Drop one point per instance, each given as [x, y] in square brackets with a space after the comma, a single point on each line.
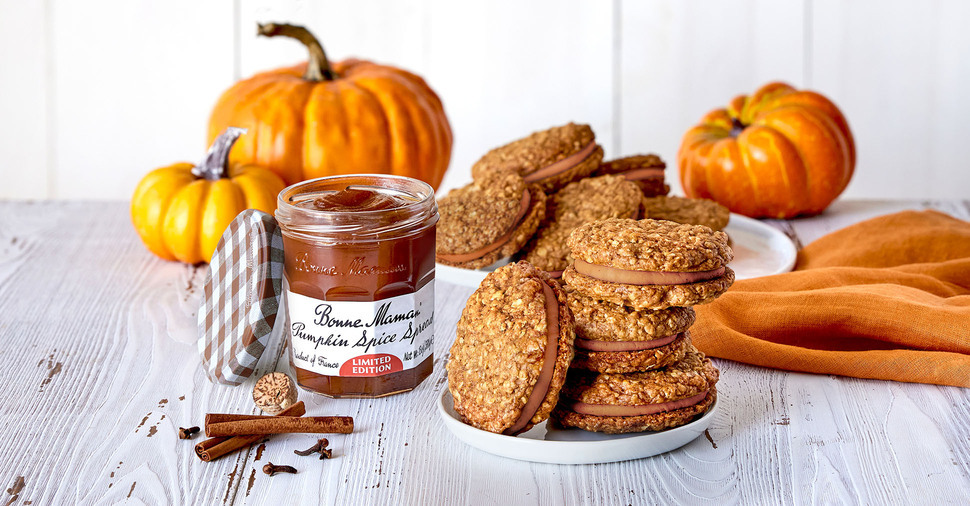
[337, 338]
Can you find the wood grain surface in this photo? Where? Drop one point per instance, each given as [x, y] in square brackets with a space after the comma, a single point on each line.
[99, 370]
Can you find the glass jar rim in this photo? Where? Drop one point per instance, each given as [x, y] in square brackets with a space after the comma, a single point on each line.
[309, 223]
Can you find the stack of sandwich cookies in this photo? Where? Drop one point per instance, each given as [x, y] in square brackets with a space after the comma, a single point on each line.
[630, 290]
[649, 264]
[487, 220]
[512, 349]
[550, 158]
[646, 171]
[611, 338]
[580, 202]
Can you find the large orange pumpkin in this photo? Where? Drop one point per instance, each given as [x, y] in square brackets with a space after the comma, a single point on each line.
[777, 153]
[318, 119]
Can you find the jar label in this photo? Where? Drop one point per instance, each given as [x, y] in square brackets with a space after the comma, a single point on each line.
[361, 339]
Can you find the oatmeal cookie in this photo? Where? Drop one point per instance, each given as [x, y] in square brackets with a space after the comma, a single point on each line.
[649, 264]
[513, 347]
[487, 220]
[605, 321]
[690, 211]
[551, 158]
[640, 401]
[647, 171]
[614, 338]
[580, 202]
[633, 361]
[650, 296]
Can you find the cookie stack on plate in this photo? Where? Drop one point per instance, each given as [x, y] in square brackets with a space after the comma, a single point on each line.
[631, 288]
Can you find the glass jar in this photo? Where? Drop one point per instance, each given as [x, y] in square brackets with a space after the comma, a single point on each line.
[359, 272]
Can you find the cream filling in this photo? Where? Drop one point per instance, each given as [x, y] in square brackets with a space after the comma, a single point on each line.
[594, 345]
[501, 241]
[560, 166]
[646, 409]
[541, 387]
[641, 174]
[628, 277]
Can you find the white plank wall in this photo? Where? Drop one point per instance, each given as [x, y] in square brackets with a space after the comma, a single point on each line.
[680, 60]
[95, 94]
[901, 72]
[24, 100]
[132, 86]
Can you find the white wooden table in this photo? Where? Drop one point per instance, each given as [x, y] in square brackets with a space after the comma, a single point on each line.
[99, 369]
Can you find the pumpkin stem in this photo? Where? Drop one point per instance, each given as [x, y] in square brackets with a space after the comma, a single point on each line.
[736, 127]
[318, 67]
[216, 162]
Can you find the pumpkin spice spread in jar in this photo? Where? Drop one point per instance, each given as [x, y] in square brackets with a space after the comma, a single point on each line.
[359, 267]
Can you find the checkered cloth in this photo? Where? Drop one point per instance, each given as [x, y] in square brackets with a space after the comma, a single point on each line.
[241, 298]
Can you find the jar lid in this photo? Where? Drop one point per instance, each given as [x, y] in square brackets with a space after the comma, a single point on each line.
[241, 297]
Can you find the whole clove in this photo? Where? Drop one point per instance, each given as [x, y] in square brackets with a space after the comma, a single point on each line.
[320, 447]
[187, 433]
[271, 469]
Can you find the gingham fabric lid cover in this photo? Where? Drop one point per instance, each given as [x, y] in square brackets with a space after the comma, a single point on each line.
[241, 297]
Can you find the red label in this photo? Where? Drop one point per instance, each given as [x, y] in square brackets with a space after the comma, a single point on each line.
[371, 365]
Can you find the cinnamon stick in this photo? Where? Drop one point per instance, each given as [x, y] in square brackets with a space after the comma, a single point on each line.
[217, 447]
[211, 418]
[214, 448]
[281, 425]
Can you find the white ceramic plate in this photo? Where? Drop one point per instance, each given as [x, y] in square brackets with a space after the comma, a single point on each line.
[759, 250]
[572, 446]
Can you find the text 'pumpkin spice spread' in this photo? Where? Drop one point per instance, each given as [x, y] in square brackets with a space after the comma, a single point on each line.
[359, 263]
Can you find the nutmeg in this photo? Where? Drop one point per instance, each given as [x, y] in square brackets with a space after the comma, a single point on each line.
[274, 392]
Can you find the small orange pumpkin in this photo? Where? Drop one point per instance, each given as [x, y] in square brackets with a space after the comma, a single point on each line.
[777, 153]
[181, 211]
[318, 119]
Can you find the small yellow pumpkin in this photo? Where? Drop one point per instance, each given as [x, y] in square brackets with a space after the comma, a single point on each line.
[181, 211]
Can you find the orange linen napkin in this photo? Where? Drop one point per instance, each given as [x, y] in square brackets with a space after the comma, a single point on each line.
[888, 298]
